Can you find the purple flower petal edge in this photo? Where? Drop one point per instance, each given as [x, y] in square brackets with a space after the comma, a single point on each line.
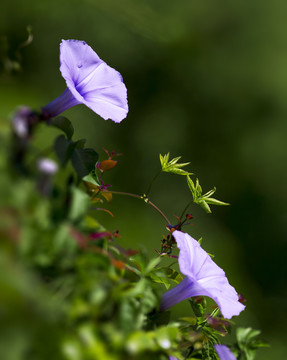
[224, 352]
[203, 278]
[90, 81]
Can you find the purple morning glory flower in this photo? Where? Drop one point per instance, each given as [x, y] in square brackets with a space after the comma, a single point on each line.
[90, 81]
[203, 278]
[224, 352]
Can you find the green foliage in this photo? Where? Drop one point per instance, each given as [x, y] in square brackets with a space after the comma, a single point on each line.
[203, 200]
[63, 124]
[83, 159]
[248, 343]
[172, 166]
[69, 291]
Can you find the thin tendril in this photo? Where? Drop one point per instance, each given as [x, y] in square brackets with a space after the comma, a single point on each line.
[146, 200]
[185, 209]
[152, 182]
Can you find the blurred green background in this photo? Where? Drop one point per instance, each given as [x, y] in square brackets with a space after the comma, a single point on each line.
[206, 80]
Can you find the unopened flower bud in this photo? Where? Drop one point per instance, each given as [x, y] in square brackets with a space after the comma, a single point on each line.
[20, 122]
[47, 166]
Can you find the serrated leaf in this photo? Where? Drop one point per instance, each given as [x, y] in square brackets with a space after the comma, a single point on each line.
[202, 200]
[172, 166]
[64, 124]
[164, 159]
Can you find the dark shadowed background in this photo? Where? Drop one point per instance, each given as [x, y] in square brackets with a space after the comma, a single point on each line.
[207, 81]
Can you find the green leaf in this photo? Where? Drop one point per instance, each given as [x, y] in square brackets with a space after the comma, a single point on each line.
[215, 202]
[152, 264]
[92, 178]
[149, 301]
[198, 308]
[202, 200]
[166, 335]
[190, 184]
[84, 160]
[204, 205]
[138, 289]
[92, 224]
[64, 149]
[189, 319]
[140, 341]
[64, 124]
[173, 275]
[247, 342]
[160, 280]
[172, 166]
[79, 205]
[81, 143]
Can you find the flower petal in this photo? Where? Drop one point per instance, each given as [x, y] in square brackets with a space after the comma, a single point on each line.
[224, 352]
[193, 260]
[203, 277]
[92, 81]
[187, 288]
[106, 94]
[77, 60]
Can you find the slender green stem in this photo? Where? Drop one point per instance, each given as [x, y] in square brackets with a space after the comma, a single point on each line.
[152, 182]
[185, 209]
[125, 193]
[158, 210]
[146, 200]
